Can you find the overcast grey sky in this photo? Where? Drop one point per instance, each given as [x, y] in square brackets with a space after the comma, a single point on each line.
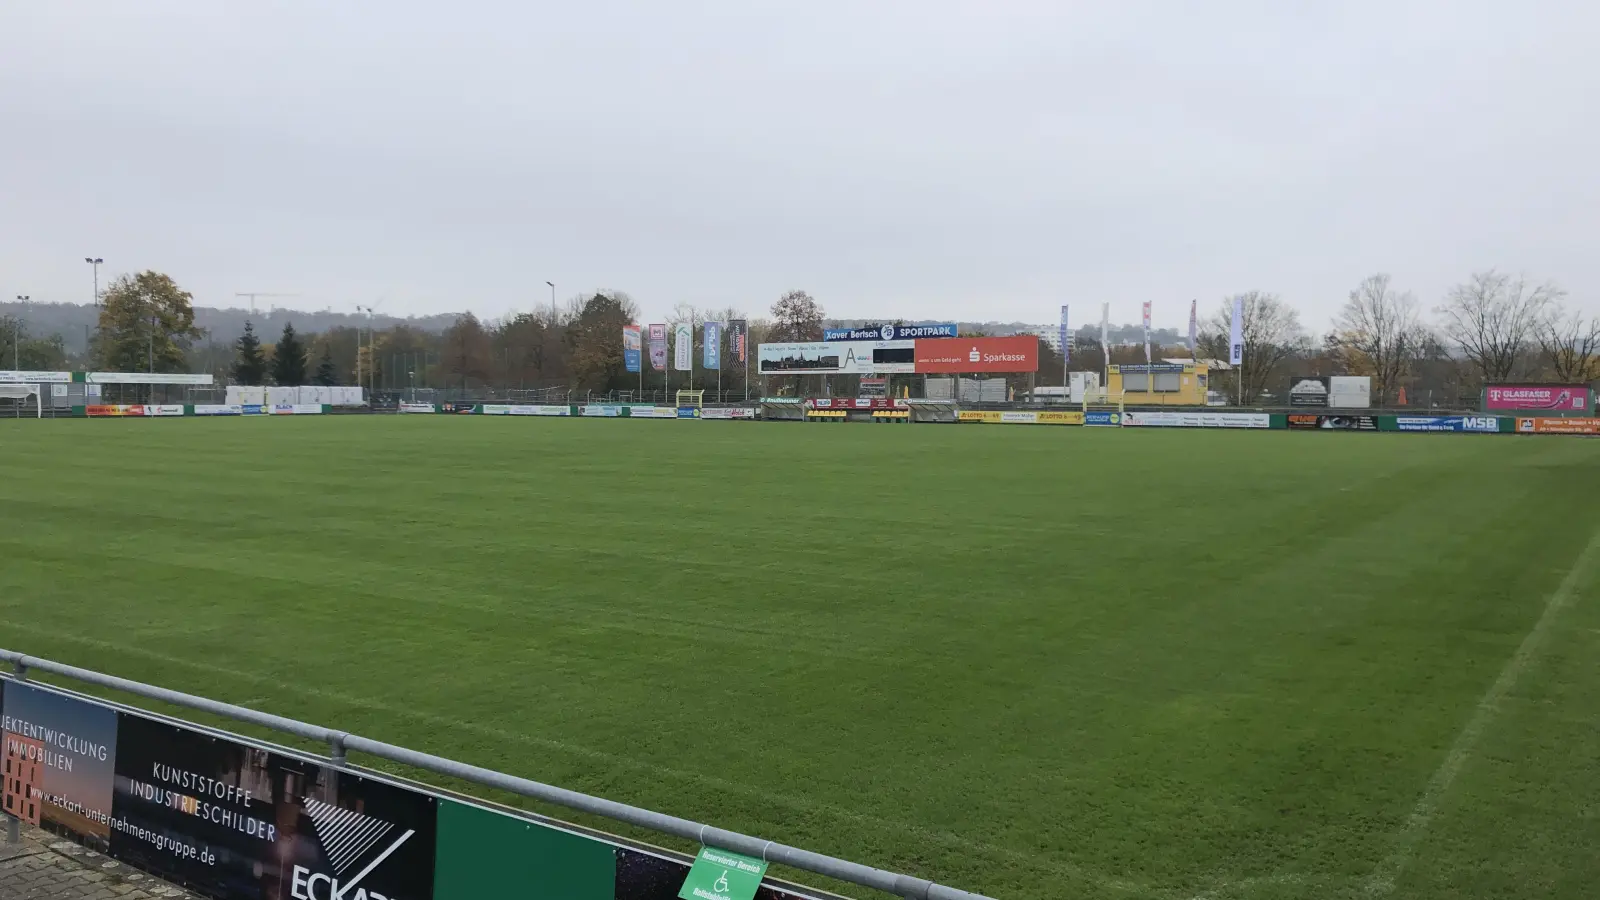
[930, 159]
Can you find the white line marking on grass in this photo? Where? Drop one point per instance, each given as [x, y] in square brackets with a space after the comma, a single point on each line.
[948, 838]
[1383, 877]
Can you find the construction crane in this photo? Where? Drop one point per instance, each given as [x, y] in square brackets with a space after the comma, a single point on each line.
[254, 294]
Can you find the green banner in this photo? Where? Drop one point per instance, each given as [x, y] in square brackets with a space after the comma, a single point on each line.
[721, 875]
[483, 853]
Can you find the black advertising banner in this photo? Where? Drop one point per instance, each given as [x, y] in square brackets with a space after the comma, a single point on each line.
[59, 754]
[1333, 423]
[1308, 390]
[234, 821]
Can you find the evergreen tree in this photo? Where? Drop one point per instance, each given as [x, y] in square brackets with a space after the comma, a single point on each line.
[327, 376]
[250, 367]
[289, 359]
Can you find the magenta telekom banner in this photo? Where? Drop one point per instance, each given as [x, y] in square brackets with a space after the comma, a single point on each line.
[1553, 397]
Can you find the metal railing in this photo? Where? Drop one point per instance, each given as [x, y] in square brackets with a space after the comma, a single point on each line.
[340, 743]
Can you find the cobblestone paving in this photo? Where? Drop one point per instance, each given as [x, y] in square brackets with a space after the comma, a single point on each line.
[45, 867]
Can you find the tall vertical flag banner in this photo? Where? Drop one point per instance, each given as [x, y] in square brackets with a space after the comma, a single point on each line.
[1147, 358]
[683, 347]
[712, 332]
[1194, 328]
[658, 347]
[630, 347]
[1105, 330]
[1066, 337]
[738, 339]
[1236, 334]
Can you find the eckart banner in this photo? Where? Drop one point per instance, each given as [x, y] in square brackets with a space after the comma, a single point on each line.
[1102, 418]
[237, 819]
[417, 408]
[1542, 397]
[837, 358]
[213, 409]
[1197, 420]
[856, 403]
[1558, 426]
[890, 332]
[728, 412]
[1333, 423]
[296, 409]
[1019, 353]
[507, 409]
[1480, 424]
[609, 412]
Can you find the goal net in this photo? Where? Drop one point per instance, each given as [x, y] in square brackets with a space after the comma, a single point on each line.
[14, 400]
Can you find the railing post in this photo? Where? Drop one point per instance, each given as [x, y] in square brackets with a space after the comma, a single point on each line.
[20, 669]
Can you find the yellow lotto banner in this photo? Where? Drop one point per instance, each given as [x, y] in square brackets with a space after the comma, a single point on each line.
[1021, 417]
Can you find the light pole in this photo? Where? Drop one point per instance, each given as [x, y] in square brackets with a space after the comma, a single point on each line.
[552, 303]
[95, 261]
[16, 336]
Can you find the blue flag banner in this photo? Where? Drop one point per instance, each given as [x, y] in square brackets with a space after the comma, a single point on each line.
[630, 347]
[713, 345]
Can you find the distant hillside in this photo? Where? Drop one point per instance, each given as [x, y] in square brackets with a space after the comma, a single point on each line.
[73, 321]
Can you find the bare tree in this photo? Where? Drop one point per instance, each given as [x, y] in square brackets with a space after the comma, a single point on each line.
[1493, 317]
[796, 317]
[1570, 345]
[1378, 333]
[1272, 335]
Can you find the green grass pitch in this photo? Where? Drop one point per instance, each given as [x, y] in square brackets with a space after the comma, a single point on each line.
[1031, 662]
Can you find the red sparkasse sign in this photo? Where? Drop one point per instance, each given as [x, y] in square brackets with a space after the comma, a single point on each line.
[1554, 397]
[978, 354]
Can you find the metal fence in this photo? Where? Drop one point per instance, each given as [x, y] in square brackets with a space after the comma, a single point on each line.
[341, 743]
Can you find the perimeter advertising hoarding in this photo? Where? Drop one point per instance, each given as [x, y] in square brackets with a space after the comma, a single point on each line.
[508, 409]
[1019, 353]
[1103, 418]
[31, 377]
[856, 403]
[653, 412]
[728, 412]
[134, 410]
[1480, 424]
[1333, 423]
[234, 819]
[1542, 397]
[1020, 417]
[1197, 420]
[837, 358]
[218, 409]
[417, 408]
[1558, 426]
[609, 412]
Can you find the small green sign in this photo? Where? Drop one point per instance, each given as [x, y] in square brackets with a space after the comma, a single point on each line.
[720, 875]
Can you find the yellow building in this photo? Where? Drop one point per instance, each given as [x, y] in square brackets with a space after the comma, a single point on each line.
[1162, 384]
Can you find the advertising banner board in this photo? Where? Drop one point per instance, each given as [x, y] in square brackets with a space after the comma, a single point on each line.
[147, 378]
[1479, 424]
[1103, 418]
[1197, 420]
[1333, 423]
[1019, 353]
[609, 412]
[728, 412]
[890, 332]
[30, 377]
[856, 403]
[135, 409]
[297, 409]
[213, 409]
[1308, 390]
[1558, 426]
[417, 407]
[837, 358]
[1541, 397]
[507, 409]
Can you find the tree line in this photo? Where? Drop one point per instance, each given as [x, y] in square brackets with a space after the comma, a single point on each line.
[1492, 327]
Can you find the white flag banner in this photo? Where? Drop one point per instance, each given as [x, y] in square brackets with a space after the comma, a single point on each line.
[1194, 328]
[1066, 339]
[1147, 360]
[1105, 329]
[1236, 334]
[683, 347]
